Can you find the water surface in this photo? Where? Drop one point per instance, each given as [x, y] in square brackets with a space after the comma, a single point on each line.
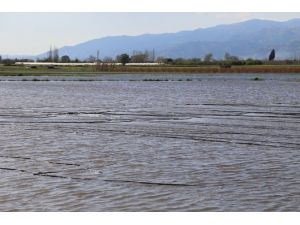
[150, 143]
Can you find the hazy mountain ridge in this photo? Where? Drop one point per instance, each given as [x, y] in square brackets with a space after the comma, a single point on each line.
[253, 38]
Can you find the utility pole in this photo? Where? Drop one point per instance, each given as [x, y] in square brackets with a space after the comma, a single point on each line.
[98, 55]
[97, 60]
[153, 54]
[50, 56]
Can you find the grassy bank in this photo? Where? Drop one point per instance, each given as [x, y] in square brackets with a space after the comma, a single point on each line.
[91, 70]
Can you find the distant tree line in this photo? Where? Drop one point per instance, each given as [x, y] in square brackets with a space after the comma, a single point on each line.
[9, 61]
[209, 59]
[149, 56]
[136, 57]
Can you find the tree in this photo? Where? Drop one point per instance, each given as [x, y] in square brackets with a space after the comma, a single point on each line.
[55, 55]
[208, 57]
[140, 57]
[169, 61]
[65, 59]
[229, 57]
[8, 62]
[50, 55]
[153, 55]
[91, 59]
[161, 59]
[98, 53]
[123, 58]
[0, 58]
[108, 59]
[272, 55]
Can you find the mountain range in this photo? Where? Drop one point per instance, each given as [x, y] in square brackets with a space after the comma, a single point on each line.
[249, 39]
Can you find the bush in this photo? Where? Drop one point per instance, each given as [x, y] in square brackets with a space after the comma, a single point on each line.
[257, 79]
[253, 62]
[8, 62]
[238, 63]
[225, 64]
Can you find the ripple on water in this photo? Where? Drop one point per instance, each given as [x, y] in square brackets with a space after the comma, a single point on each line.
[224, 143]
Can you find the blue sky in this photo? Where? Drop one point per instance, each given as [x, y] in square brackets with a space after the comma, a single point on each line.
[33, 33]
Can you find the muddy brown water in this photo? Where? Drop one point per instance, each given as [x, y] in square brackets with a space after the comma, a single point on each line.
[150, 143]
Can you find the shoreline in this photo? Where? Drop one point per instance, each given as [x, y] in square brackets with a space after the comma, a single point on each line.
[91, 71]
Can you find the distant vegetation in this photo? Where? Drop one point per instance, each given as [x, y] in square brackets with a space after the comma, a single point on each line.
[148, 57]
[207, 64]
[123, 58]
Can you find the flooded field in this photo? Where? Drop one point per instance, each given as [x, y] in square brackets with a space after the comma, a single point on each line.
[150, 143]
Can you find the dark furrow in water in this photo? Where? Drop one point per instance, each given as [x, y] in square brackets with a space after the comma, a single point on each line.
[50, 174]
[224, 140]
[28, 158]
[196, 132]
[45, 174]
[150, 183]
[200, 132]
[262, 127]
[192, 104]
[202, 129]
[77, 113]
[202, 124]
[54, 122]
[238, 133]
[66, 164]
[56, 163]
[238, 112]
[250, 105]
[208, 139]
[14, 157]
[178, 114]
[13, 169]
[221, 114]
[4, 168]
[197, 136]
[262, 118]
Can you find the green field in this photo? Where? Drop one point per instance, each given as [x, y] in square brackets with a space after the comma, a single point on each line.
[20, 70]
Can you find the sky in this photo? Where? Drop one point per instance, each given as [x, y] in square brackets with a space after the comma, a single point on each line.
[34, 33]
